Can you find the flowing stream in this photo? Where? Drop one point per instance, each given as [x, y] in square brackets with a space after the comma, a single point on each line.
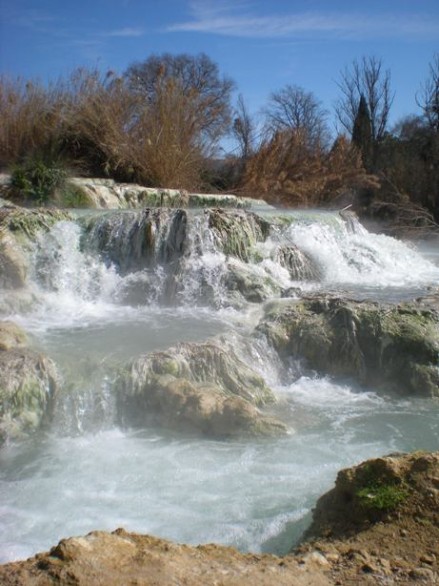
[101, 297]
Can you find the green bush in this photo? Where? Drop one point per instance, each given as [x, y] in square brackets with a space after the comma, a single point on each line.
[37, 180]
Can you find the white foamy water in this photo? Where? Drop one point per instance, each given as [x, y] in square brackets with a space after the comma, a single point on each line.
[255, 495]
[362, 258]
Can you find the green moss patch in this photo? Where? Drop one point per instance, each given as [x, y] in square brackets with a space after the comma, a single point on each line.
[382, 497]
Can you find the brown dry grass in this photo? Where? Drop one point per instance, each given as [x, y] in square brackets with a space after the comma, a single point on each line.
[32, 119]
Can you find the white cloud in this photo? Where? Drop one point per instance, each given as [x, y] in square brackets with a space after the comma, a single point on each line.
[237, 20]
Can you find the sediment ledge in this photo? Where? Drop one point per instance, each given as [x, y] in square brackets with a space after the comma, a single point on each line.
[102, 193]
[378, 525]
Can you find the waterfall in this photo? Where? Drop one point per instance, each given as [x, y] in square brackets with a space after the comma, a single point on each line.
[107, 292]
[217, 258]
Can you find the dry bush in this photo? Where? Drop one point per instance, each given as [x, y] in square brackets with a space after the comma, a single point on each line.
[100, 115]
[343, 172]
[285, 171]
[401, 215]
[166, 149]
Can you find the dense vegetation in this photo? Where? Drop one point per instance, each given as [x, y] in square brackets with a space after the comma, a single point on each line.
[160, 124]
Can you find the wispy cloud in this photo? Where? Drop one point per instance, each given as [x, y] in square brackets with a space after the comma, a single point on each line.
[123, 32]
[31, 18]
[238, 20]
[56, 26]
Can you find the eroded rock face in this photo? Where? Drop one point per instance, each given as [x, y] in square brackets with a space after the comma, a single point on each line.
[394, 347]
[200, 388]
[245, 282]
[136, 240]
[299, 265]
[13, 263]
[28, 385]
[380, 523]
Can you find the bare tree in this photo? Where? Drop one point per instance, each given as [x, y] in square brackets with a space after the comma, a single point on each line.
[428, 98]
[293, 108]
[365, 78]
[206, 94]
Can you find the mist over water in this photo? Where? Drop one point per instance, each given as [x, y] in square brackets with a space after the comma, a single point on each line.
[94, 309]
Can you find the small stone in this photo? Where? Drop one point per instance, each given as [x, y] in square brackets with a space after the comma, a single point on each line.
[317, 558]
[423, 574]
[369, 568]
[428, 559]
[332, 557]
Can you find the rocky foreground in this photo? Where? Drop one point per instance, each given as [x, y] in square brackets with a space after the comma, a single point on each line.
[378, 525]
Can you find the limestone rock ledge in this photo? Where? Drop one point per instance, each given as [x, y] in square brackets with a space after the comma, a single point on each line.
[357, 540]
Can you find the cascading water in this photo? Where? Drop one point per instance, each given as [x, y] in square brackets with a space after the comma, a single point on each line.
[110, 287]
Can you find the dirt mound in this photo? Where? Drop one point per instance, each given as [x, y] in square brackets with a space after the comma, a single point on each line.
[380, 524]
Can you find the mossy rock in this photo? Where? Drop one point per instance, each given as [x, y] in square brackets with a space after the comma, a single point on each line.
[18, 229]
[394, 347]
[73, 195]
[28, 388]
[25, 223]
[243, 281]
[238, 232]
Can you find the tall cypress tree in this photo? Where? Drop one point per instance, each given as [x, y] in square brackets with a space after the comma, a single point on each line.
[362, 133]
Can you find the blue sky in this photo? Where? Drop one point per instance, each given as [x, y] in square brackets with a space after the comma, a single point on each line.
[262, 45]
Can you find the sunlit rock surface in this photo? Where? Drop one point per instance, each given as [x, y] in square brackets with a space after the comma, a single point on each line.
[11, 336]
[201, 388]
